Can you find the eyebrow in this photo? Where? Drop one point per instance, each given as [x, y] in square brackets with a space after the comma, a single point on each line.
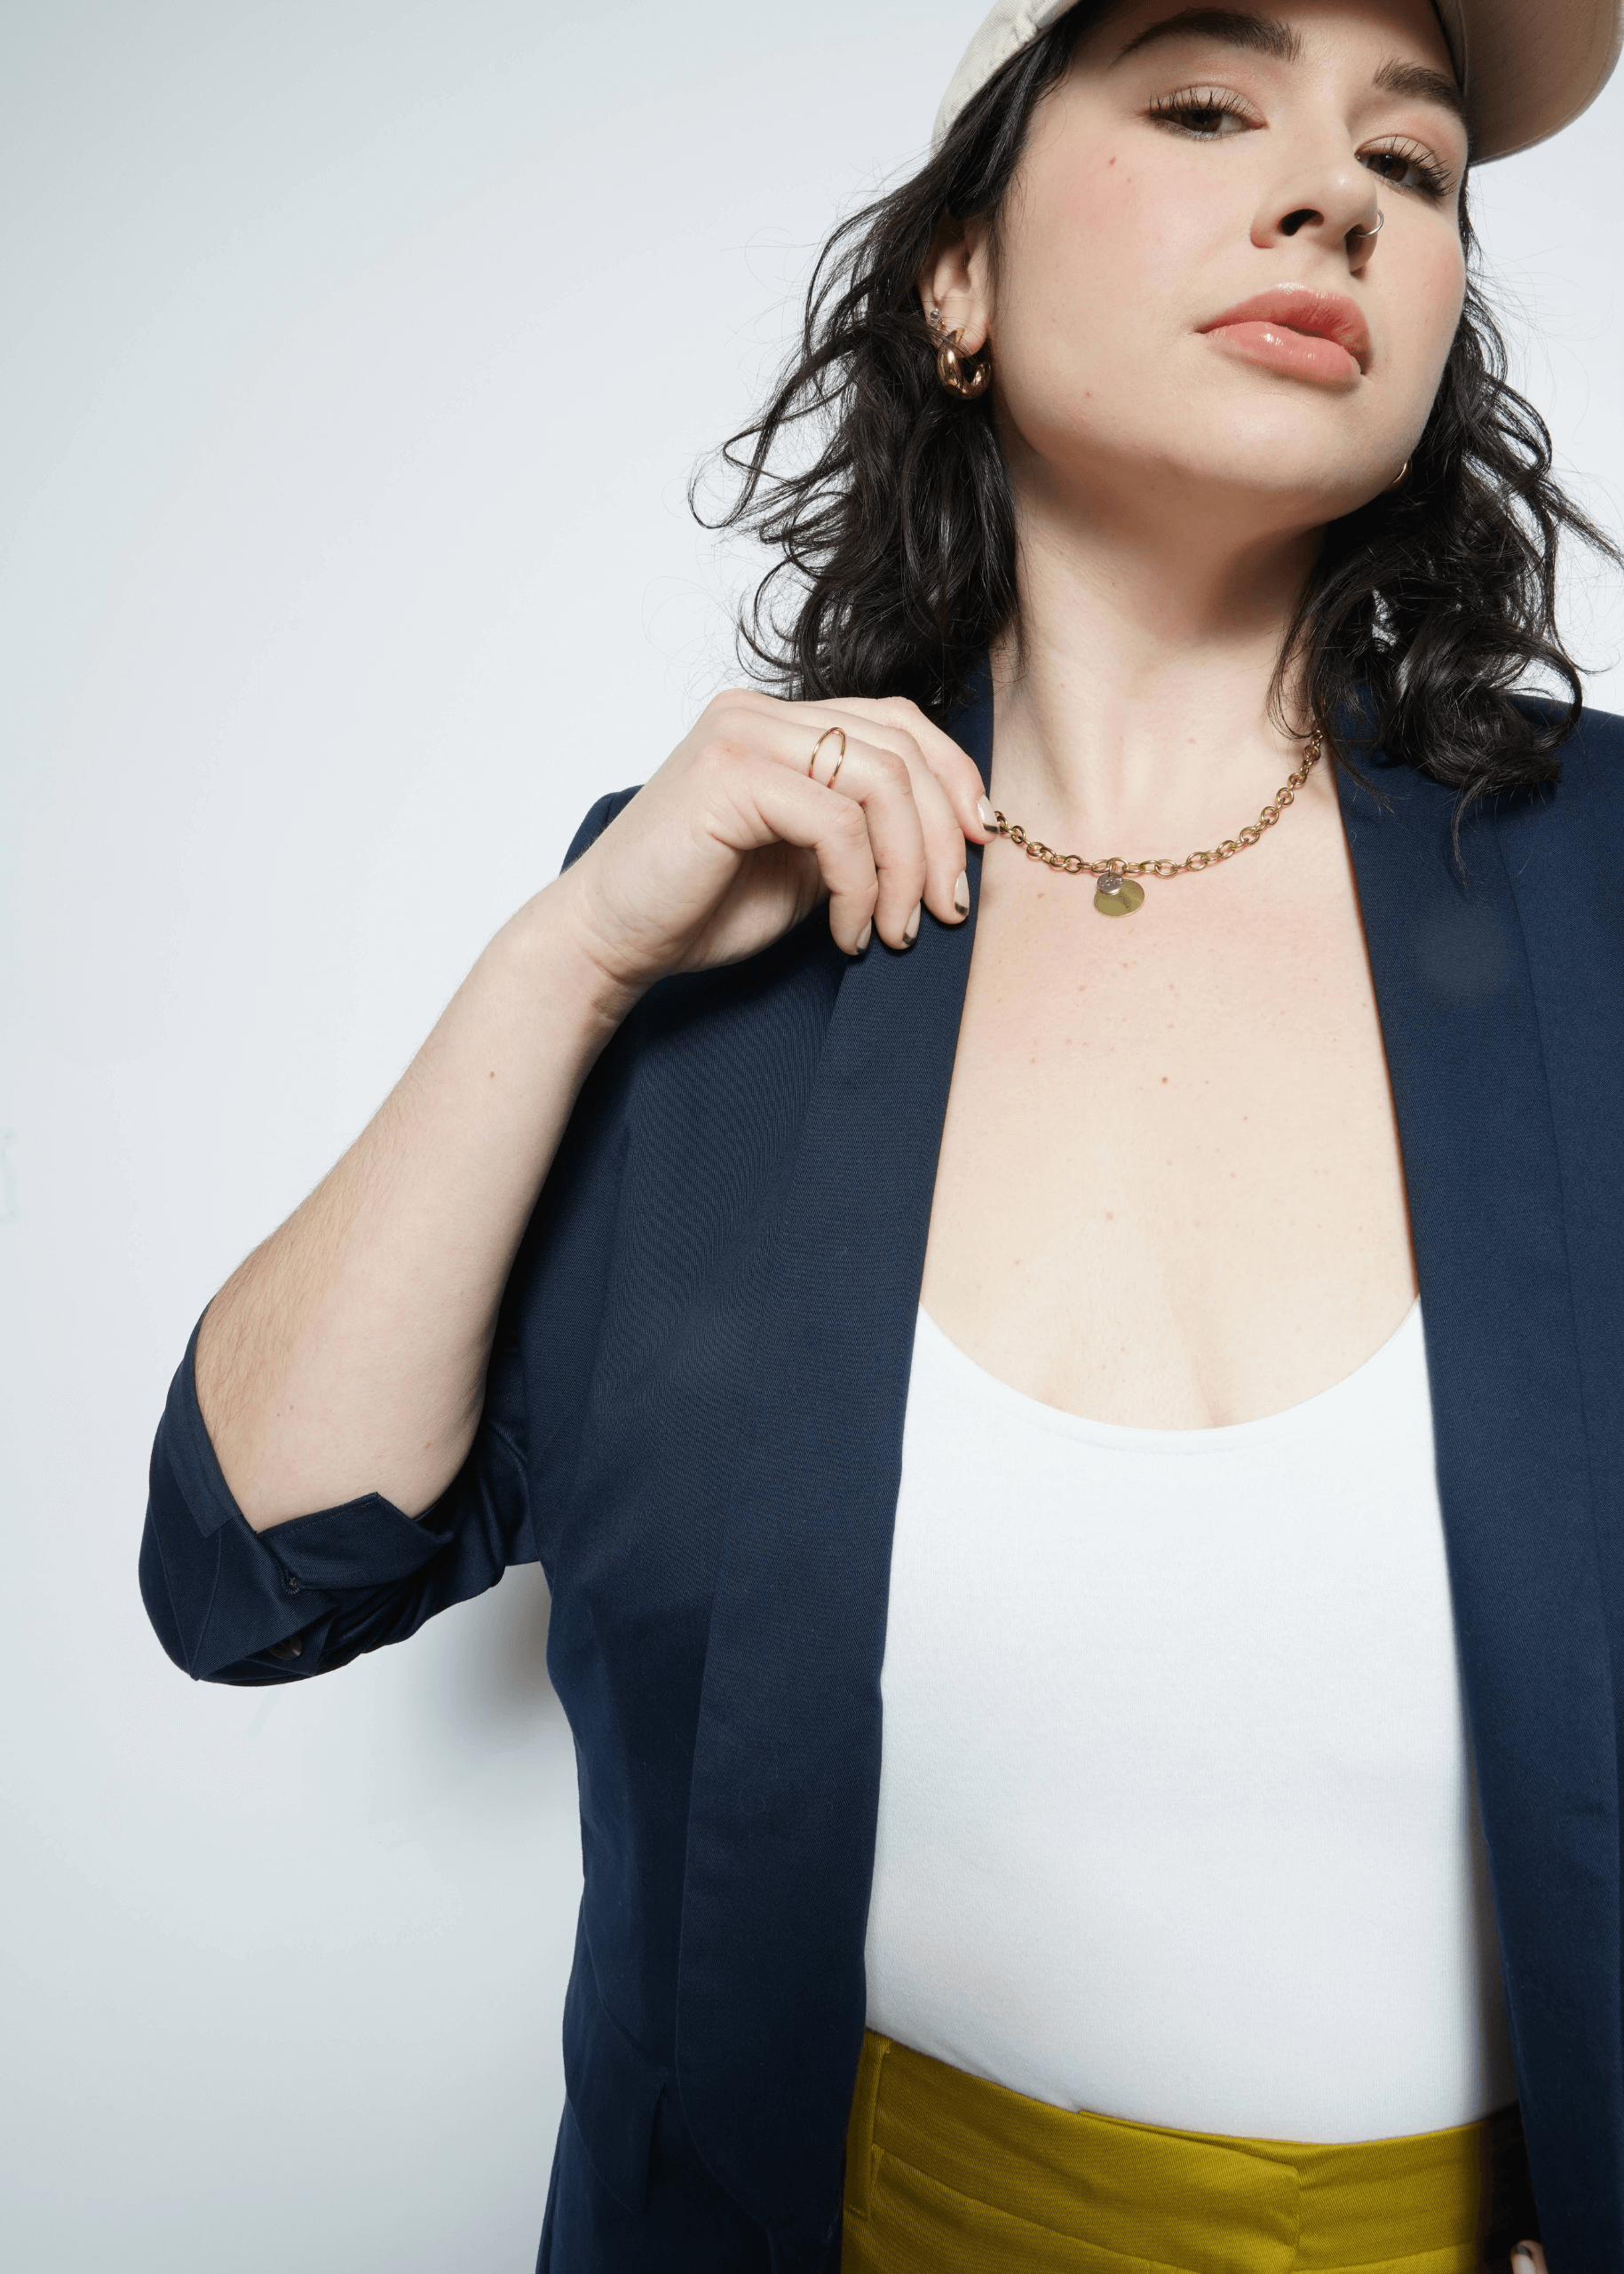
[1424, 85]
[1267, 35]
[1262, 34]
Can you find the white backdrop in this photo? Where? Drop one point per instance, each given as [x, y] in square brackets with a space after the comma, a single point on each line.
[353, 357]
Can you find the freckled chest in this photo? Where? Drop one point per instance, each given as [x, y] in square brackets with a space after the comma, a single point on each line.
[1170, 1192]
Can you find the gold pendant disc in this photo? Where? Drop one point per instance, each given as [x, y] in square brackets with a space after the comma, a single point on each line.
[1122, 902]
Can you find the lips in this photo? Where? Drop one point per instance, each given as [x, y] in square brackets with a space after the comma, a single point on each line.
[1297, 331]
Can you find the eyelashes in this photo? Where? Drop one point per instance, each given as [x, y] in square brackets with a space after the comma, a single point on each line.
[1200, 111]
[1411, 159]
[1218, 114]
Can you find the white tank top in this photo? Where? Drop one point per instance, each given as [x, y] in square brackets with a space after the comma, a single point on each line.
[1177, 1820]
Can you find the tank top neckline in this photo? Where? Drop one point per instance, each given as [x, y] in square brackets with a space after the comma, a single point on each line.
[1403, 1346]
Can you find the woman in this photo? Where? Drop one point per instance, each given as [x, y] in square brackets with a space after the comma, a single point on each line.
[1017, 1309]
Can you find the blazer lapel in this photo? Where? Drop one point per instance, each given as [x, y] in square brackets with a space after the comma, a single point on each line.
[771, 1996]
[1465, 1053]
[786, 1774]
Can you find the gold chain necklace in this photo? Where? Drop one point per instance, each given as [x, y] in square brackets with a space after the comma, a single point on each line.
[1117, 894]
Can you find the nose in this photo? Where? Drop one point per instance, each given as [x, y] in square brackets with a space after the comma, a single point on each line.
[1334, 203]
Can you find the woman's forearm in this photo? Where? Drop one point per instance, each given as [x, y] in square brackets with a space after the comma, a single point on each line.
[347, 1354]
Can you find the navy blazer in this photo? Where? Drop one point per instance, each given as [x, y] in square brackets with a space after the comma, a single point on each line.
[694, 1421]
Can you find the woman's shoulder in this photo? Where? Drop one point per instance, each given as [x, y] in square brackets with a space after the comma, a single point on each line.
[712, 1064]
[1576, 818]
[1592, 758]
[1559, 848]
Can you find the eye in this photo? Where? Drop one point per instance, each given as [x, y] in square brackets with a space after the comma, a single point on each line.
[1208, 113]
[1408, 165]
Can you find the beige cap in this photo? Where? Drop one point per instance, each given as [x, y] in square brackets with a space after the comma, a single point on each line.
[1528, 66]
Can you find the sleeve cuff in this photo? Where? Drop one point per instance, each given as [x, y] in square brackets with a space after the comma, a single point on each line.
[222, 1594]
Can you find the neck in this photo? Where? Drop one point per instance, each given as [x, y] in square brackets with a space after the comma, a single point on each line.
[1134, 700]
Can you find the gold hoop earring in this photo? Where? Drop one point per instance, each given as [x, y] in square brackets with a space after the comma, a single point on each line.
[1398, 480]
[950, 365]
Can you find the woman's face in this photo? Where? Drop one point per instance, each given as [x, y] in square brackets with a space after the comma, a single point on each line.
[1192, 160]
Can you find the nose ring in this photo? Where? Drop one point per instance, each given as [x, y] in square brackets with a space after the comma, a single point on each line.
[1380, 225]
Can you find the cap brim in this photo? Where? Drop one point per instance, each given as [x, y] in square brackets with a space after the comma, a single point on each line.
[1532, 66]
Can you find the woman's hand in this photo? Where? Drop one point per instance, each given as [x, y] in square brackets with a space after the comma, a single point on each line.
[742, 832]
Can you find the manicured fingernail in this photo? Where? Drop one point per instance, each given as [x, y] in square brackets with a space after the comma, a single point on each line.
[984, 813]
[961, 894]
[864, 937]
[910, 930]
[1521, 2257]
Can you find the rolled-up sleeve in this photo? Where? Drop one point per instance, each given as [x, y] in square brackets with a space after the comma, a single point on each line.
[232, 1605]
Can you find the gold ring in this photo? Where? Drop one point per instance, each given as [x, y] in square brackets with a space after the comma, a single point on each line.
[819, 744]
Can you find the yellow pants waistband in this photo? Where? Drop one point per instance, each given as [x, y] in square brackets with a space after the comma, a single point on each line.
[948, 2174]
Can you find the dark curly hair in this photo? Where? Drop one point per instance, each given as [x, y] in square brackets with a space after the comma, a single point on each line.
[894, 534]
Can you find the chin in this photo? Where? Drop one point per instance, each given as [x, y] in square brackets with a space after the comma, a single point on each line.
[1305, 464]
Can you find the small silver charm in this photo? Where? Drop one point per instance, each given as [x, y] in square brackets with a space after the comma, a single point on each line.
[1117, 896]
